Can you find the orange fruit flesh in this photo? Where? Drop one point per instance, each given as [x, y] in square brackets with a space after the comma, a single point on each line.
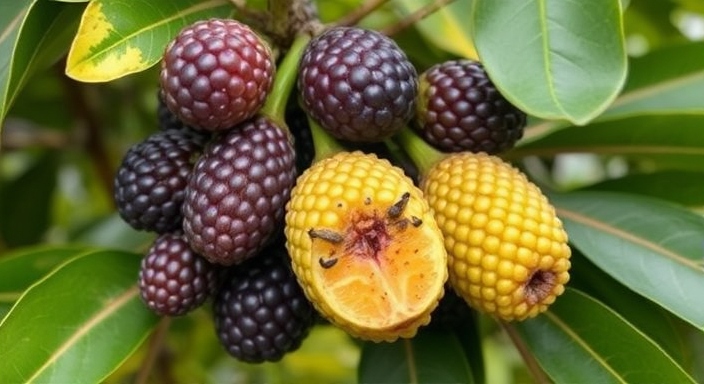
[385, 291]
[365, 246]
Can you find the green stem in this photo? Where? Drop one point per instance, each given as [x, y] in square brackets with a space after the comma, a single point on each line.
[421, 153]
[325, 145]
[284, 82]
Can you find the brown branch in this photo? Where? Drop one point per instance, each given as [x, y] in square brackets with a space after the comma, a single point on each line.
[156, 344]
[415, 17]
[358, 14]
[94, 143]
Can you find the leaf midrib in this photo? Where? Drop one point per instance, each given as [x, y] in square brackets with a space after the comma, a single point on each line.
[627, 236]
[550, 81]
[577, 339]
[113, 306]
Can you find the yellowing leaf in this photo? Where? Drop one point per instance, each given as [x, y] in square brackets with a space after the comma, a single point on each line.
[115, 39]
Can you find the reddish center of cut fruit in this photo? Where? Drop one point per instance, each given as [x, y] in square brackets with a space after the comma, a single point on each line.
[539, 286]
[367, 236]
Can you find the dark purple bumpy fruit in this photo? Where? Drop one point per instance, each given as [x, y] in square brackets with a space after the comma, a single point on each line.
[174, 280]
[460, 109]
[150, 184]
[357, 84]
[260, 311]
[216, 73]
[236, 196]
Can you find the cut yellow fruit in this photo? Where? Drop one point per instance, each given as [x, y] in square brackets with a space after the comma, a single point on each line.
[365, 247]
[507, 250]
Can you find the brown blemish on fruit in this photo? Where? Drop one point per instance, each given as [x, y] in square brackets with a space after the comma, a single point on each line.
[539, 286]
[416, 222]
[396, 210]
[329, 263]
[367, 200]
[326, 234]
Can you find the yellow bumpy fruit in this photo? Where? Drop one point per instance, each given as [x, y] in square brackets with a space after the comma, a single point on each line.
[365, 247]
[507, 250]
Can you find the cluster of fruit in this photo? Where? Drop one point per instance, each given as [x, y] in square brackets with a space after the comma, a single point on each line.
[346, 235]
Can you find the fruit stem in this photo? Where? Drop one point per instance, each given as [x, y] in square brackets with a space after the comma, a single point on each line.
[284, 82]
[532, 365]
[324, 144]
[421, 153]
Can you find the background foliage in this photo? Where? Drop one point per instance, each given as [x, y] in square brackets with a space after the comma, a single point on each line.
[615, 94]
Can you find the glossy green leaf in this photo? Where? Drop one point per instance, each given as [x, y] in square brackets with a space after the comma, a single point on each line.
[553, 59]
[682, 187]
[77, 324]
[648, 317]
[12, 15]
[676, 86]
[115, 38]
[45, 36]
[428, 357]
[579, 340]
[20, 269]
[653, 247]
[676, 136]
[446, 28]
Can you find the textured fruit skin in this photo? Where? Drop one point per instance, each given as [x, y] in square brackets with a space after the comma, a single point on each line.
[149, 186]
[260, 311]
[501, 234]
[460, 109]
[236, 196]
[216, 73]
[357, 84]
[174, 280]
[326, 195]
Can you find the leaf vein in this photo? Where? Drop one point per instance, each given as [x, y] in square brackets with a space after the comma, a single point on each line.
[604, 227]
[114, 304]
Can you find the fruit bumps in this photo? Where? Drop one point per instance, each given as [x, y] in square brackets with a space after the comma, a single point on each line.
[236, 195]
[365, 247]
[260, 311]
[460, 109]
[149, 187]
[508, 252]
[216, 73]
[357, 84]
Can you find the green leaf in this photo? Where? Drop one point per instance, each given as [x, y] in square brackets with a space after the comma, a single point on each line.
[77, 324]
[25, 202]
[676, 86]
[12, 15]
[643, 314]
[45, 36]
[678, 137]
[431, 356]
[553, 59]
[20, 269]
[447, 27]
[681, 187]
[579, 340]
[653, 247]
[115, 38]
